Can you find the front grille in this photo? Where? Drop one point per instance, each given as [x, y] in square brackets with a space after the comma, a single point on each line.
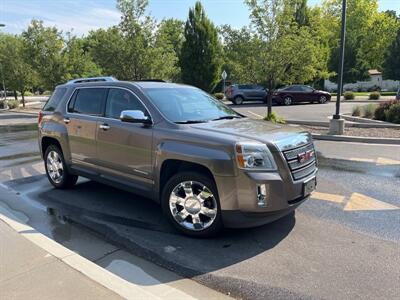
[300, 169]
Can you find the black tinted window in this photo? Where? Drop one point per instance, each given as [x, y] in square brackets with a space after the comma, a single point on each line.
[54, 99]
[119, 100]
[89, 101]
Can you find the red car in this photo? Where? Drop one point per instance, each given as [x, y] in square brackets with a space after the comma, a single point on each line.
[300, 93]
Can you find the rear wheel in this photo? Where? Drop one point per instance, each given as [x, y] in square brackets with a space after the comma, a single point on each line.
[56, 169]
[287, 100]
[238, 100]
[190, 201]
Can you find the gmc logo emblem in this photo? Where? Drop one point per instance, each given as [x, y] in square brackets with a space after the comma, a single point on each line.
[304, 156]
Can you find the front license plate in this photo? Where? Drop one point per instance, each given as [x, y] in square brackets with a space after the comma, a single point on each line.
[309, 186]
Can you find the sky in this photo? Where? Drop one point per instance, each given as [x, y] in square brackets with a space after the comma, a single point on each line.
[81, 16]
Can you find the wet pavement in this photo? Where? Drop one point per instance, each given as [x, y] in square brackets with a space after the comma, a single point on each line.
[338, 244]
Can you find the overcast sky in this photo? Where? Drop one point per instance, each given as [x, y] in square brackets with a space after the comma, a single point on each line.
[85, 15]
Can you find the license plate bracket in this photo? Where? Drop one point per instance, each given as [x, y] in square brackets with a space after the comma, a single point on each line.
[309, 186]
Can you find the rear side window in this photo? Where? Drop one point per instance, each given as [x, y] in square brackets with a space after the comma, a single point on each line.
[88, 101]
[54, 99]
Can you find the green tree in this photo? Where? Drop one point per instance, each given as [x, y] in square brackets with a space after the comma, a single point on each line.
[44, 47]
[200, 56]
[78, 62]
[241, 48]
[19, 74]
[168, 45]
[290, 53]
[392, 61]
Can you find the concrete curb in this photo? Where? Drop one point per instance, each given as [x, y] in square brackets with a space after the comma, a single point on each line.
[357, 139]
[370, 122]
[98, 274]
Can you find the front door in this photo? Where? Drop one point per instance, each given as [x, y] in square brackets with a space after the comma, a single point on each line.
[84, 107]
[124, 149]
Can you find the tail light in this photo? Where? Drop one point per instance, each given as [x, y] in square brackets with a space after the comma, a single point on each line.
[40, 117]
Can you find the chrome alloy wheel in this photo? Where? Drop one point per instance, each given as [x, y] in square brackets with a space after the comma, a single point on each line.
[322, 99]
[55, 167]
[193, 205]
[287, 101]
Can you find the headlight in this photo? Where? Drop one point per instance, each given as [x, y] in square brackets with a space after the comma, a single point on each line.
[254, 156]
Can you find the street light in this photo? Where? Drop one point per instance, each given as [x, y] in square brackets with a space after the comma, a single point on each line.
[336, 125]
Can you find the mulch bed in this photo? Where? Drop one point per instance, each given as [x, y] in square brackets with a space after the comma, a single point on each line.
[354, 131]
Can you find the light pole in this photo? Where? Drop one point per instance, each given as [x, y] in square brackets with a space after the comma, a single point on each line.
[2, 74]
[336, 125]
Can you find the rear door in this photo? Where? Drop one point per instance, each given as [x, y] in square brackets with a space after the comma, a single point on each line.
[84, 108]
[125, 149]
[308, 94]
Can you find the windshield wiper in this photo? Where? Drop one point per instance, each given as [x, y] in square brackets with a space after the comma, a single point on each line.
[226, 118]
[191, 121]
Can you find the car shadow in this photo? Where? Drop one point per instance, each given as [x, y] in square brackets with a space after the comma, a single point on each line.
[137, 224]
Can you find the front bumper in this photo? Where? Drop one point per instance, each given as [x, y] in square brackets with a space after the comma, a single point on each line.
[238, 198]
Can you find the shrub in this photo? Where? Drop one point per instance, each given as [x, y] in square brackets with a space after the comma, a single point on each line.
[380, 110]
[393, 113]
[28, 93]
[356, 111]
[374, 96]
[46, 93]
[2, 104]
[369, 110]
[13, 103]
[275, 118]
[219, 96]
[348, 95]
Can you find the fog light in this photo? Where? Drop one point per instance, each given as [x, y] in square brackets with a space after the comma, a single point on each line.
[261, 195]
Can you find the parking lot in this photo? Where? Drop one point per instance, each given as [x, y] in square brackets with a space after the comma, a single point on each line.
[339, 244]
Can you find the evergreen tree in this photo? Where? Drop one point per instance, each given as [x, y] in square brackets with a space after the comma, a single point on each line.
[392, 62]
[200, 55]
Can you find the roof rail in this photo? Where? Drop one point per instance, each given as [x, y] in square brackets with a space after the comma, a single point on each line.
[150, 80]
[91, 79]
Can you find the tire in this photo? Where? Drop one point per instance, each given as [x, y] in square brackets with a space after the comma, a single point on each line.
[178, 203]
[238, 100]
[287, 100]
[322, 99]
[54, 159]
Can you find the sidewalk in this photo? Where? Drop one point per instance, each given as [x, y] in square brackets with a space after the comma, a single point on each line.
[33, 266]
[29, 272]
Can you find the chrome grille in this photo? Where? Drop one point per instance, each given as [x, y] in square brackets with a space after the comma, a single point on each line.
[300, 169]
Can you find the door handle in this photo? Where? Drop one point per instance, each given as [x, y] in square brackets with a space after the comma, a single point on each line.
[104, 126]
[67, 120]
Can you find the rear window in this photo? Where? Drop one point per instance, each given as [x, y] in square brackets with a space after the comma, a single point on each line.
[88, 101]
[54, 99]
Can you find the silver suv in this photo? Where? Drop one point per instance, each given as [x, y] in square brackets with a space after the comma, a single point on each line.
[207, 165]
[238, 93]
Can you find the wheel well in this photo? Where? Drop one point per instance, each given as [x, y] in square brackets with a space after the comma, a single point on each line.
[47, 141]
[171, 167]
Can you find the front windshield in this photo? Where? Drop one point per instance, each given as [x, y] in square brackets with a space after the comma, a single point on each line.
[189, 105]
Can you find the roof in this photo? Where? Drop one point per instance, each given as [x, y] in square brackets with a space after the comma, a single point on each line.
[156, 84]
[374, 72]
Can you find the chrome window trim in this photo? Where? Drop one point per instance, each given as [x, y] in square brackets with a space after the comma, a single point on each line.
[102, 87]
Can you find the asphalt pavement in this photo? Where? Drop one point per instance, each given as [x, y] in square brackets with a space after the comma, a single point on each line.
[337, 245]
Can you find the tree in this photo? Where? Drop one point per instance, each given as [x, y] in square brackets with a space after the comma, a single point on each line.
[138, 39]
[18, 72]
[200, 55]
[368, 35]
[241, 48]
[78, 62]
[290, 54]
[168, 45]
[392, 61]
[44, 47]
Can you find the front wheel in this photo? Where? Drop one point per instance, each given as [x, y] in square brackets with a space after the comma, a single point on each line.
[190, 201]
[238, 100]
[56, 169]
[322, 99]
[287, 100]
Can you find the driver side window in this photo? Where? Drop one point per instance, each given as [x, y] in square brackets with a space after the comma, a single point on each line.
[119, 100]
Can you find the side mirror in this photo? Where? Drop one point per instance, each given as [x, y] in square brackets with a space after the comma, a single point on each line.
[134, 116]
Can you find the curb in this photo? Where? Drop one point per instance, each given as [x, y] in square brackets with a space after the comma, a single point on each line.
[89, 269]
[357, 139]
[350, 123]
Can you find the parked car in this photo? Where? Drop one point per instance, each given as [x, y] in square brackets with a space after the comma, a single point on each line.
[238, 93]
[300, 93]
[207, 165]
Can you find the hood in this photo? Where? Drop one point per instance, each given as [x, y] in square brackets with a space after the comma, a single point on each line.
[282, 135]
